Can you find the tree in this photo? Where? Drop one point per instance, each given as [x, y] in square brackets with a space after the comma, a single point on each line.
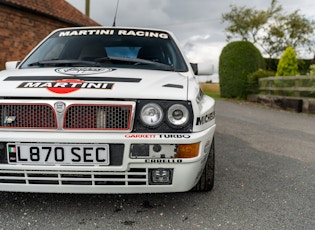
[247, 22]
[287, 30]
[288, 64]
[271, 30]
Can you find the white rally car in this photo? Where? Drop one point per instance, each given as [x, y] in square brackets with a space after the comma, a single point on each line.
[105, 110]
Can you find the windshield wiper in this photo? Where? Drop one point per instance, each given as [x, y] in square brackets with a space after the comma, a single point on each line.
[99, 61]
[136, 61]
[62, 62]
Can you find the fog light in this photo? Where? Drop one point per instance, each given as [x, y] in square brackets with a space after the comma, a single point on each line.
[160, 176]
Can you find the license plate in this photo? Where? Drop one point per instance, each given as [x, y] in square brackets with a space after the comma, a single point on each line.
[54, 154]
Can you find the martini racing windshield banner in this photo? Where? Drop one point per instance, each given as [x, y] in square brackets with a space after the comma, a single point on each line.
[112, 32]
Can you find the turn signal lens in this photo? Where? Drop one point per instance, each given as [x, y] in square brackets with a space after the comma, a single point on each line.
[187, 150]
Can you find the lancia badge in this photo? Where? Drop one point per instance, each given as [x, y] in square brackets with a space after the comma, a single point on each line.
[60, 106]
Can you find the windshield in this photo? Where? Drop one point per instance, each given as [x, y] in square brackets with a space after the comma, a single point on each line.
[121, 48]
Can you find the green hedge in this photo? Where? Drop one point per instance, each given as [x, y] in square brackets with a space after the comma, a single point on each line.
[304, 65]
[253, 80]
[238, 60]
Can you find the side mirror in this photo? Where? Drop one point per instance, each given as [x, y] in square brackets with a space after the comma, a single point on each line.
[202, 68]
[11, 65]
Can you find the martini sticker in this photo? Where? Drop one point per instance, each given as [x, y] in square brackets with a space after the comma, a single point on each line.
[64, 86]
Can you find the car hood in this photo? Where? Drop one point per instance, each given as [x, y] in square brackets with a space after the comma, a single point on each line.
[93, 82]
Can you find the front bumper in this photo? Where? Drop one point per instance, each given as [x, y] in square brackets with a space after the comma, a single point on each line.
[129, 176]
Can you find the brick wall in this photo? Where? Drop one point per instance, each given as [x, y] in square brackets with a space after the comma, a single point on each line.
[20, 32]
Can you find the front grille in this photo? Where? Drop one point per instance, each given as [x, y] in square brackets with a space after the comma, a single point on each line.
[103, 117]
[135, 176]
[78, 115]
[27, 116]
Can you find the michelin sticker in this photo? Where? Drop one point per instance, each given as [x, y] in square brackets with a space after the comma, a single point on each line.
[205, 119]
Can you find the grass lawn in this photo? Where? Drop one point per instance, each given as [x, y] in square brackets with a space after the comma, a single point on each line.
[211, 89]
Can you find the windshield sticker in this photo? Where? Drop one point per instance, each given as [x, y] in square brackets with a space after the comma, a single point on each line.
[66, 85]
[82, 70]
[111, 32]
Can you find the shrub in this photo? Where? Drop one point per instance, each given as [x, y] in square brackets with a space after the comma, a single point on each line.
[236, 62]
[271, 64]
[253, 80]
[312, 70]
[303, 65]
[288, 64]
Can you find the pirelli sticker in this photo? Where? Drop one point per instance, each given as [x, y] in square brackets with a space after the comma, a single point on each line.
[66, 85]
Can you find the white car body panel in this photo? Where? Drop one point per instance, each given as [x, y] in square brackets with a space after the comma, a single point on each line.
[148, 79]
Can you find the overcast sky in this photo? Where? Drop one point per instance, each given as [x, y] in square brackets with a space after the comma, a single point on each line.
[196, 24]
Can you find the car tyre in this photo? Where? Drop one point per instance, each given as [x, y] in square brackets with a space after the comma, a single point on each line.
[206, 181]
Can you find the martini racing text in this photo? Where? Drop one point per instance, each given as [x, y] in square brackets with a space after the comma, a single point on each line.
[138, 33]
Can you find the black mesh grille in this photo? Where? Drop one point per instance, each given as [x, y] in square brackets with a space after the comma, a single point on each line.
[137, 177]
[27, 116]
[103, 117]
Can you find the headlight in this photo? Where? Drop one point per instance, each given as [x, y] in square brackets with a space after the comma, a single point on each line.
[151, 114]
[178, 115]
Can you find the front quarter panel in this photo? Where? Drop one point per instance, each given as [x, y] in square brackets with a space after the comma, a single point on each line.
[203, 106]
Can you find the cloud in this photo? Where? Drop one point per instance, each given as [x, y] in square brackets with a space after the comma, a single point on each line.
[196, 24]
[203, 53]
